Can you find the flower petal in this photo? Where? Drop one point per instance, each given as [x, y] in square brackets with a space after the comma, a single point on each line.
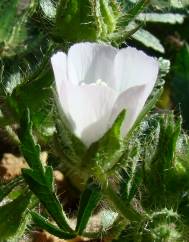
[133, 100]
[88, 105]
[59, 64]
[133, 68]
[96, 130]
[88, 62]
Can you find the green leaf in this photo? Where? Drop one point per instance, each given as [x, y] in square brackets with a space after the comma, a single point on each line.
[160, 147]
[133, 12]
[88, 202]
[164, 67]
[5, 189]
[180, 83]
[123, 34]
[13, 216]
[179, 3]
[29, 148]
[13, 32]
[171, 18]
[40, 92]
[163, 4]
[24, 75]
[169, 133]
[49, 176]
[48, 8]
[106, 152]
[39, 178]
[36, 176]
[14, 80]
[51, 228]
[148, 40]
[48, 199]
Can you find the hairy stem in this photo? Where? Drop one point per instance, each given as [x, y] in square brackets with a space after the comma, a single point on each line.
[126, 210]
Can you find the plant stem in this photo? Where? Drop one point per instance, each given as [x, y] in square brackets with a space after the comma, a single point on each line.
[124, 208]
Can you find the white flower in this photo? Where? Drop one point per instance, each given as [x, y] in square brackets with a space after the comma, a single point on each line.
[95, 82]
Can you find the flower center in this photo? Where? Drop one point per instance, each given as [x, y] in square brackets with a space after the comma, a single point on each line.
[98, 82]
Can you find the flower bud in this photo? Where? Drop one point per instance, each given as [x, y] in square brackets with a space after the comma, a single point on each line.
[166, 232]
[165, 226]
[92, 20]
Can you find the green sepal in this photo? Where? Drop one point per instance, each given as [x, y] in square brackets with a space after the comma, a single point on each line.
[109, 17]
[106, 151]
[88, 202]
[43, 223]
[14, 216]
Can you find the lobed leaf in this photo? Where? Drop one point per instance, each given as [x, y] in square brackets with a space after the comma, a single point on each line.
[88, 202]
[40, 178]
[149, 40]
[134, 11]
[51, 228]
[170, 18]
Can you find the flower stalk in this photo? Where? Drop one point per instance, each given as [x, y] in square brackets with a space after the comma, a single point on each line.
[124, 208]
